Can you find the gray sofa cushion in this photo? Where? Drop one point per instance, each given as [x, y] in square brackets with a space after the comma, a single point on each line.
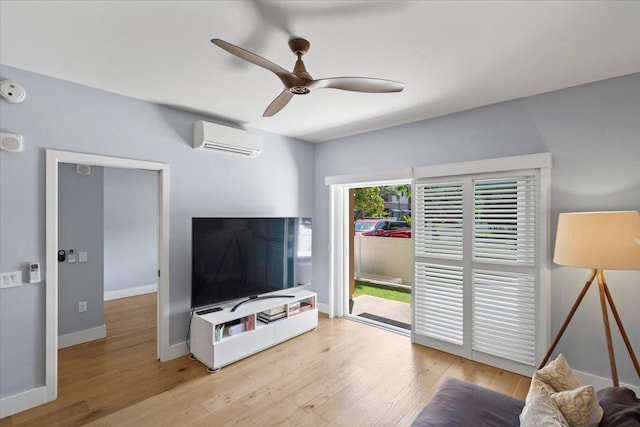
[621, 407]
[459, 403]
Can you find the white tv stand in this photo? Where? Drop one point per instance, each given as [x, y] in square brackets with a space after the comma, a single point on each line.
[217, 351]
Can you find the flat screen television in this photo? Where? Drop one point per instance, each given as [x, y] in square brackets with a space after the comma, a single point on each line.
[235, 258]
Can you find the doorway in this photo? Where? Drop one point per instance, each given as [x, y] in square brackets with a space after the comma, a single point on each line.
[53, 160]
[372, 279]
[108, 236]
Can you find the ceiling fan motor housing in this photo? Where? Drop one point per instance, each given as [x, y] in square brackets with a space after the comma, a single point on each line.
[299, 90]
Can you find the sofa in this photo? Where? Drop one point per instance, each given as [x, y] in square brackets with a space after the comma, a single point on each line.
[459, 403]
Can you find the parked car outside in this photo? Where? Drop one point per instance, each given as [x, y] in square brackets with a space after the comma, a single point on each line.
[383, 228]
[366, 224]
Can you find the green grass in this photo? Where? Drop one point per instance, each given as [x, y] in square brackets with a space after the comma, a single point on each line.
[381, 291]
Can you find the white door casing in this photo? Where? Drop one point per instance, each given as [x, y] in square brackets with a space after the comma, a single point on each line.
[53, 159]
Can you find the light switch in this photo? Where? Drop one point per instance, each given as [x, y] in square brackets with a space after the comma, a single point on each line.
[82, 256]
[10, 279]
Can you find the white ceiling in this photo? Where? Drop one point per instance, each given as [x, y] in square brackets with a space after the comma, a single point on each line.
[452, 55]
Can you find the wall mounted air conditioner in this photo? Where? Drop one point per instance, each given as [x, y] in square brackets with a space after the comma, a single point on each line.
[217, 137]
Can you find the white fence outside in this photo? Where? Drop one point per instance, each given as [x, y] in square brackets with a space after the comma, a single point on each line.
[383, 259]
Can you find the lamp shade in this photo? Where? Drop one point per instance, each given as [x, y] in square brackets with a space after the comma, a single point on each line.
[599, 240]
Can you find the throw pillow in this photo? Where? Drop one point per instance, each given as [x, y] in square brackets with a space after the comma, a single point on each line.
[539, 409]
[558, 375]
[580, 406]
[621, 407]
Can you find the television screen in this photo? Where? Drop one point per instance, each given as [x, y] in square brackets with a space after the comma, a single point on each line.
[234, 258]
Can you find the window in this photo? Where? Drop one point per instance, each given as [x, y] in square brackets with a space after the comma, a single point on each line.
[476, 259]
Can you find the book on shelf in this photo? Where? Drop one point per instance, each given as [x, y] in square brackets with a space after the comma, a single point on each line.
[272, 316]
[275, 310]
[268, 319]
[305, 306]
[249, 323]
[294, 306]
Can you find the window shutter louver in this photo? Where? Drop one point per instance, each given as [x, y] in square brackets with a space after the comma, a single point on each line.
[504, 234]
[437, 221]
[504, 225]
[504, 315]
[439, 276]
[438, 302]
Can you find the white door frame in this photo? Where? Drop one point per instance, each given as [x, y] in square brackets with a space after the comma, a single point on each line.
[53, 159]
[339, 187]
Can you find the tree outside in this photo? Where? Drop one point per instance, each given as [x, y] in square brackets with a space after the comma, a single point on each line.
[368, 202]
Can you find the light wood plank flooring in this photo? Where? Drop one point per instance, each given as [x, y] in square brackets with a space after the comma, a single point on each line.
[344, 373]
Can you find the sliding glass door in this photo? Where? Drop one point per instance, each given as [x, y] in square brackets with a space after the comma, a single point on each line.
[476, 263]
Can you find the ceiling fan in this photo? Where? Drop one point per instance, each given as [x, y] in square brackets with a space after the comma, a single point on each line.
[300, 82]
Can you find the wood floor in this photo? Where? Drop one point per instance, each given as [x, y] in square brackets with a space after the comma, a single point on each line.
[344, 373]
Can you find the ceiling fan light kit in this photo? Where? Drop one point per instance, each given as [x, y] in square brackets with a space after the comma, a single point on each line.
[300, 82]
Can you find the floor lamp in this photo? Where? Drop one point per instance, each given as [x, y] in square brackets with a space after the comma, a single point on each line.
[599, 241]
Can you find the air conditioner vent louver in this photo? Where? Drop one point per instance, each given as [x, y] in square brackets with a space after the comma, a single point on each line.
[212, 136]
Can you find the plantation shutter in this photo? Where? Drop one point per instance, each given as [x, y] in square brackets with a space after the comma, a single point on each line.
[504, 224]
[504, 260]
[438, 298]
[475, 266]
[439, 219]
[438, 272]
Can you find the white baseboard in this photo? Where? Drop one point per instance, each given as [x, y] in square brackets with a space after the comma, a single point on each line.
[80, 337]
[602, 382]
[130, 292]
[22, 401]
[324, 308]
[175, 351]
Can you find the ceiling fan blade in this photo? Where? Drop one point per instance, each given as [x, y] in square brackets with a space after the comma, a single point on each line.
[288, 78]
[278, 103]
[357, 84]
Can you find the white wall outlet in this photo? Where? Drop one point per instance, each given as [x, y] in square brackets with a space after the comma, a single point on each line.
[10, 279]
[82, 306]
[82, 256]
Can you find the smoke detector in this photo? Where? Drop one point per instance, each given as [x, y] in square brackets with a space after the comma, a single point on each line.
[11, 91]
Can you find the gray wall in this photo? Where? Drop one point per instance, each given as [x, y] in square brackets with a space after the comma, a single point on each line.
[130, 228]
[80, 227]
[593, 134]
[66, 116]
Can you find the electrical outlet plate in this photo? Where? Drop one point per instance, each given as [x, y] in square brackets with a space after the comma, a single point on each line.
[10, 279]
[82, 306]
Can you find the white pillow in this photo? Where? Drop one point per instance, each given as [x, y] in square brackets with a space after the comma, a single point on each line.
[558, 375]
[580, 406]
[539, 409]
[577, 404]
